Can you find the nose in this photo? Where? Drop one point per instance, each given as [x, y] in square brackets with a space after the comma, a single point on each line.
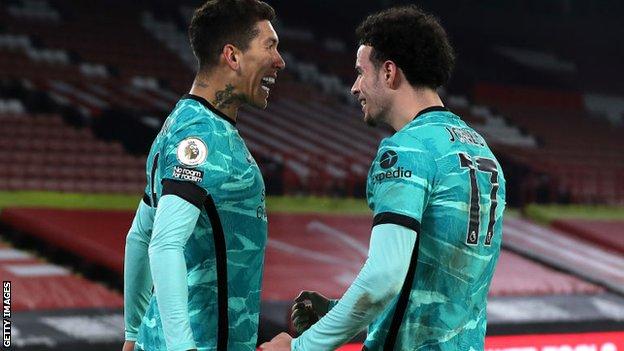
[280, 64]
[355, 88]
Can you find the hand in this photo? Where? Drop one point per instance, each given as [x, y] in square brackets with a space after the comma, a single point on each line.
[279, 343]
[128, 346]
[308, 308]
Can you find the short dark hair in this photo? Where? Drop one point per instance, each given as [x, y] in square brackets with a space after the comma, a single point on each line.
[414, 40]
[220, 22]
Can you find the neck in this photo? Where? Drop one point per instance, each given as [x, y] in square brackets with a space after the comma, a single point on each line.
[219, 93]
[408, 103]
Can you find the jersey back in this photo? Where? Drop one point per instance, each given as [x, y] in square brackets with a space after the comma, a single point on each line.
[439, 174]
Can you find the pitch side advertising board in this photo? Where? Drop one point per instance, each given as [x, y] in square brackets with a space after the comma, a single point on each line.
[609, 341]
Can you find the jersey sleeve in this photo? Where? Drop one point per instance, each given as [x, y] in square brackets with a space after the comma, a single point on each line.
[173, 225]
[199, 155]
[400, 182]
[137, 276]
[377, 283]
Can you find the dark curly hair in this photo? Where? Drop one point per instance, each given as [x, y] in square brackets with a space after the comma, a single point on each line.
[220, 22]
[412, 39]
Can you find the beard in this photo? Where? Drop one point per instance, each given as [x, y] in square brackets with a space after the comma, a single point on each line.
[371, 122]
[374, 120]
[377, 99]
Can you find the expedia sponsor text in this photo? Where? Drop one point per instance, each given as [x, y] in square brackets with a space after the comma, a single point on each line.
[397, 173]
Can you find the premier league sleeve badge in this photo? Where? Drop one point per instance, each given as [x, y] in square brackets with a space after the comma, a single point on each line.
[192, 152]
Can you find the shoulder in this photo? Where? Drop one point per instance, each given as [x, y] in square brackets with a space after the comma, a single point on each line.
[193, 132]
[406, 141]
[431, 135]
[406, 149]
[402, 153]
[189, 114]
[192, 120]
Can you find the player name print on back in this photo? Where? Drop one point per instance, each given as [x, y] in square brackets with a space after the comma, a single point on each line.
[464, 135]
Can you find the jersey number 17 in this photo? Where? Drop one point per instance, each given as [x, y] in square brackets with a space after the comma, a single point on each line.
[485, 165]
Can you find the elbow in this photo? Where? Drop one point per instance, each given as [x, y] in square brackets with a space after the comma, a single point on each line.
[132, 237]
[136, 236]
[395, 284]
[152, 250]
[165, 241]
[390, 280]
[373, 301]
[385, 286]
[393, 280]
[156, 247]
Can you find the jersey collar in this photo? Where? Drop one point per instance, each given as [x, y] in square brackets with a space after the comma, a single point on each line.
[431, 109]
[209, 106]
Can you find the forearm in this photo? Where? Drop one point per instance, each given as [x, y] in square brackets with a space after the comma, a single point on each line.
[137, 277]
[340, 324]
[174, 223]
[379, 281]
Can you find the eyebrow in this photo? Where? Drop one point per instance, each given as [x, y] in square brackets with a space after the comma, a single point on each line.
[272, 41]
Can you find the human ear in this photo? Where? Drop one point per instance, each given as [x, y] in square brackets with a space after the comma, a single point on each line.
[390, 72]
[231, 55]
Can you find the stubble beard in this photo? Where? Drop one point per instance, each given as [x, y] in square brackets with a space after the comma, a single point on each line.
[370, 121]
[379, 118]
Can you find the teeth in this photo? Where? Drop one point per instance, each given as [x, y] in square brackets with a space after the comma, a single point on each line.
[268, 80]
[363, 102]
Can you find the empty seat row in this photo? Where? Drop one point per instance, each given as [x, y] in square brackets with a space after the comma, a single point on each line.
[71, 173]
[87, 186]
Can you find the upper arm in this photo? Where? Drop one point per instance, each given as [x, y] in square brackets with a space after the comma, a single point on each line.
[399, 184]
[174, 222]
[196, 161]
[142, 223]
[390, 252]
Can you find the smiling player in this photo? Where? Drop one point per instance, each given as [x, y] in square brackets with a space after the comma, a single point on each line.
[437, 194]
[199, 234]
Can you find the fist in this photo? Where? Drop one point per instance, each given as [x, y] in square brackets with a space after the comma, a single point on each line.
[303, 316]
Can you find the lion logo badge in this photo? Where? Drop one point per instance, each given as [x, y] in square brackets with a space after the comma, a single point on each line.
[192, 151]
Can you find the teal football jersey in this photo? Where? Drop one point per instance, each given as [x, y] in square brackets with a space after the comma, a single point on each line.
[438, 176]
[225, 253]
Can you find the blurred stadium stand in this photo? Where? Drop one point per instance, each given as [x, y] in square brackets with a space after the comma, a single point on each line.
[85, 86]
[40, 152]
[117, 69]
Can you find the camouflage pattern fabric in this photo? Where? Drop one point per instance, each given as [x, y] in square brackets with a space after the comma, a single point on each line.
[197, 144]
[439, 172]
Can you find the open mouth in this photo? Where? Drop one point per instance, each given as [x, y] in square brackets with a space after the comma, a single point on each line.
[266, 83]
[363, 103]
